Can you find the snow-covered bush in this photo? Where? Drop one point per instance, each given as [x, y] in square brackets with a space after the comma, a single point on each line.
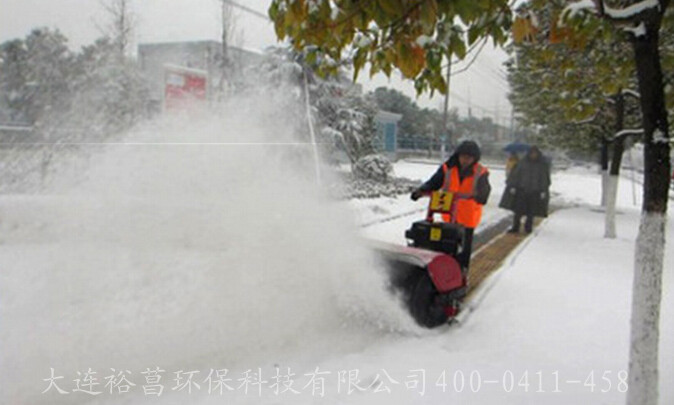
[350, 187]
[110, 93]
[373, 167]
[62, 97]
[343, 117]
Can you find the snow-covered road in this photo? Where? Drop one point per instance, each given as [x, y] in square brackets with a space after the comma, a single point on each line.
[165, 288]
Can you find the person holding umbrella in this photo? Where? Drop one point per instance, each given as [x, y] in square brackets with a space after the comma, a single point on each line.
[527, 192]
[512, 161]
[514, 149]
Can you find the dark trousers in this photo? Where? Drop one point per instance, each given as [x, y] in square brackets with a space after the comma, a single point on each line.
[464, 257]
[528, 224]
[525, 206]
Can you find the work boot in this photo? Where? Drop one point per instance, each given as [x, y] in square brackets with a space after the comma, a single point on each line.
[513, 230]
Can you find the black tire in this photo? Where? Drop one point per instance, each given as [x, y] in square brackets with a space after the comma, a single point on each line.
[423, 307]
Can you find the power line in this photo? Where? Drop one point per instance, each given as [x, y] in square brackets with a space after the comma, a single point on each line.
[498, 71]
[478, 46]
[247, 9]
[478, 106]
[493, 73]
[479, 50]
[500, 83]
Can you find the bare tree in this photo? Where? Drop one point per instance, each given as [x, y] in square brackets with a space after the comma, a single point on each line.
[230, 35]
[121, 24]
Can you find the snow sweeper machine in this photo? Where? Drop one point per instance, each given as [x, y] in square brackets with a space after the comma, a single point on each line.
[426, 271]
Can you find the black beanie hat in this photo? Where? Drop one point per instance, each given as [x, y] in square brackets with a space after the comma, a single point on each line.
[468, 148]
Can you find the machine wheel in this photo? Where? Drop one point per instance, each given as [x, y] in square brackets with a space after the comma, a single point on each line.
[423, 307]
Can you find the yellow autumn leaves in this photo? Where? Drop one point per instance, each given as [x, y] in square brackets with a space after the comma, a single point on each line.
[394, 29]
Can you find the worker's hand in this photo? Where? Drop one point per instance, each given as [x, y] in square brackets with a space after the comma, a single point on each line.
[513, 190]
[543, 195]
[416, 194]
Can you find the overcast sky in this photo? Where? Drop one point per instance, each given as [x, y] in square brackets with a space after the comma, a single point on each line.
[483, 86]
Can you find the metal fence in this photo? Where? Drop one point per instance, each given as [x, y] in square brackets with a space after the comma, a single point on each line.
[28, 157]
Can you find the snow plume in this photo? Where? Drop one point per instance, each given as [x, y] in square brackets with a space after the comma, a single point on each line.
[192, 244]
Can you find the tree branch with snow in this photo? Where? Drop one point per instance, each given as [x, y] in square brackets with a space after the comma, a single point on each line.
[628, 132]
[631, 93]
[636, 17]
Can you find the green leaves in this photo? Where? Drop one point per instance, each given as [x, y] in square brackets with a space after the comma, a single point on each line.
[568, 73]
[394, 29]
[458, 47]
[428, 15]
[390, 7]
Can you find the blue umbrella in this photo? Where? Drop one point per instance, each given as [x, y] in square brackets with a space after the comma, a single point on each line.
[516, 147]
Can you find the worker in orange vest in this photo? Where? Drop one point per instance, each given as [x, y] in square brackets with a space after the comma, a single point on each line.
[463, 175]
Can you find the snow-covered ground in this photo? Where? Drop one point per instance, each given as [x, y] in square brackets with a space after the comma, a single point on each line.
[201, 272]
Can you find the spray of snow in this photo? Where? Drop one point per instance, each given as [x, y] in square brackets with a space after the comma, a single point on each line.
[186, 245]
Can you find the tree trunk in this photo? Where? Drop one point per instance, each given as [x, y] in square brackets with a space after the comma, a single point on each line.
[610, 215]
[225, 63]
[649, 255]
[603, 163]
[614, 172]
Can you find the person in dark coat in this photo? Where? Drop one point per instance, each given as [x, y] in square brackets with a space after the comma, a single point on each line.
[528, 190]
[470, 175]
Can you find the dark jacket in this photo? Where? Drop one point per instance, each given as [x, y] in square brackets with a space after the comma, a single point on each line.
[531, 175]
[527, 190]
[436, 181]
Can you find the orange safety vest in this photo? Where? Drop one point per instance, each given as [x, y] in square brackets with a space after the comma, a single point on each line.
[468, 211]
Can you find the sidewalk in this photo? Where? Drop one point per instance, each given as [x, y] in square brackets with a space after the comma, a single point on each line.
[490, 255]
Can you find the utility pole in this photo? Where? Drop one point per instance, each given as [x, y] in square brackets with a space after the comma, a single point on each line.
[445, 113]
[226, 20]
[512, 123]
[497, 118]
[248, 10]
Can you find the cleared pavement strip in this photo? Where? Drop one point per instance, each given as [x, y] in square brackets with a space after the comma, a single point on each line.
[490, 257]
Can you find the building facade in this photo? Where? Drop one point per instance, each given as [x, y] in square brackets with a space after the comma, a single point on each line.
[206, 56]
[387, 132]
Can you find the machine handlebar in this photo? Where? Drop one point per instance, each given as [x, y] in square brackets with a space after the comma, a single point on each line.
[444, 203]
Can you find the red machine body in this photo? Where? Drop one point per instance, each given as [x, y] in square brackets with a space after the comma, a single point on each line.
[427, 270]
